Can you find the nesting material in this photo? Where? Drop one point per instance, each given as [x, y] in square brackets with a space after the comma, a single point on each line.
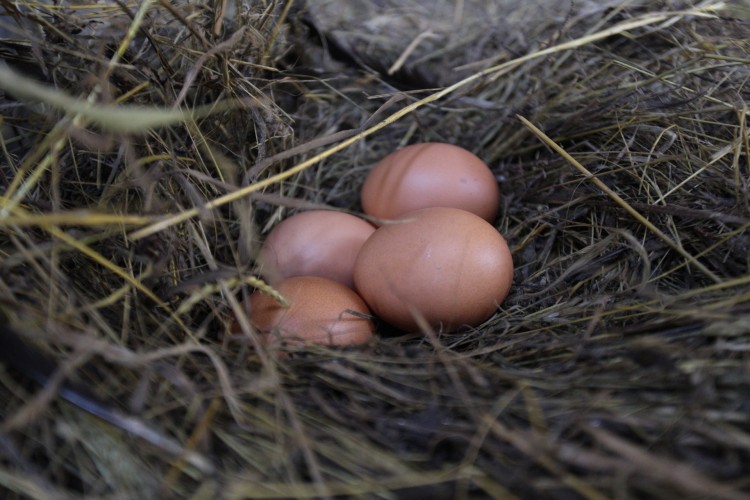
[160, 142]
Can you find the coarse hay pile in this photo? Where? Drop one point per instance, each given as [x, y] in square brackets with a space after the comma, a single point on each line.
[147, 147]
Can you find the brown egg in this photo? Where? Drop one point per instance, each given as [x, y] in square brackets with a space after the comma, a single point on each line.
[321, 311]
[321, 243]
[430, 175]
[451, 266]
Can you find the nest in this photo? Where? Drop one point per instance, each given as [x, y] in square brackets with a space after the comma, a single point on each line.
[148, 147]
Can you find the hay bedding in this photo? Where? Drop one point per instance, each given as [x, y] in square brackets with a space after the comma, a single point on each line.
[617, 368]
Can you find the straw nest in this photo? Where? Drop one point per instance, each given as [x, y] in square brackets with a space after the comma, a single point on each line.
[147, 147]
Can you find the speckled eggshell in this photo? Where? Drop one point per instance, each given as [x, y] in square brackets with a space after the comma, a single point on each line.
[318, 313]
[321, 243]
[450, 265]
[430, 175]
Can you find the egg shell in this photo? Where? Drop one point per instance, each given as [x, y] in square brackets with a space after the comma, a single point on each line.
[318, 313]
[450, 265]
[430, 175]
[321, 243]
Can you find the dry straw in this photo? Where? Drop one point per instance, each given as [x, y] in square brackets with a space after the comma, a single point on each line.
[147, 147]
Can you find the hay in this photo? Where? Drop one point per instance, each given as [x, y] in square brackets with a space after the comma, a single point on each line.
[161, 141]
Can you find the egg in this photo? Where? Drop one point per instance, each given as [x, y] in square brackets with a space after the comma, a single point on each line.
[430, 175]
[321, 243]
[321, 311]
[448, 265]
